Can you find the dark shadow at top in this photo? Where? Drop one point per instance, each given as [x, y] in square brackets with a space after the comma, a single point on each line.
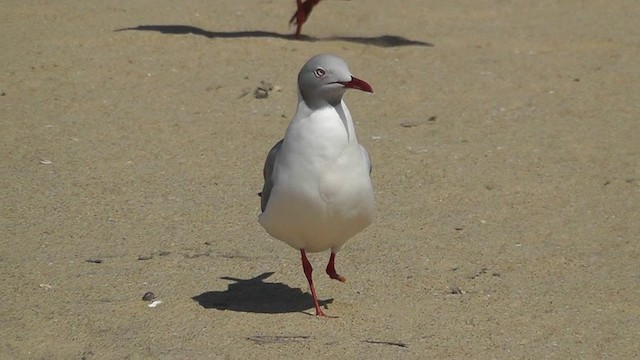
[381, 41]
[256, 296]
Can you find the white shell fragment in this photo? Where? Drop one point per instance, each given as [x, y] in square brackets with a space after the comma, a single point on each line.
[155, 303]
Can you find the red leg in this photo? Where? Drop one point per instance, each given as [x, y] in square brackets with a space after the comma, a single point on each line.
[302, 14]
[331, 269]
[306, 266]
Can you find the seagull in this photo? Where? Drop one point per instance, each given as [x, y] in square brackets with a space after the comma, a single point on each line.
[317, 191]
[302, 14]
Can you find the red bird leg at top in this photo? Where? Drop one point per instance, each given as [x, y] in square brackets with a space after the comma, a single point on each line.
[331, 269]
[306, 266]
[302, 14]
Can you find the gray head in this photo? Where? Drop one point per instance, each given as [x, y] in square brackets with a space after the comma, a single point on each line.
[325, 78]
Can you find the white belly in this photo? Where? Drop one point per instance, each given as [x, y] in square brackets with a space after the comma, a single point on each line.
[321, 205]
[322, 193]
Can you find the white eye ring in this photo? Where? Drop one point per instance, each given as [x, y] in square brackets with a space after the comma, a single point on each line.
[319, 72]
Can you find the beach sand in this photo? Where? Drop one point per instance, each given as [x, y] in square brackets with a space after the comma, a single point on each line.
[505, 137]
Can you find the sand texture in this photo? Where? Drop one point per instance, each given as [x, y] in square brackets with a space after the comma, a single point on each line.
[505, 137]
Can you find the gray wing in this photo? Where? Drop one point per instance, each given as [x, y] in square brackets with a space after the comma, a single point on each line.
[267, 172]
[367, 158]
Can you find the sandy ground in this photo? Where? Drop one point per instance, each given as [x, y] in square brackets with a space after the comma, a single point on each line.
[507, 159]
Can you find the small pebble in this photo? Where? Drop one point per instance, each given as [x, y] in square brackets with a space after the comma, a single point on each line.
[260, 93]
[94, 260]
[149, 296]
[164, 253]
[266, 85]
[145, 257]
[408, 124]
[455, 290]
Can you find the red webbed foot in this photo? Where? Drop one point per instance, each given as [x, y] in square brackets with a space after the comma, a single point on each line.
[331, 269]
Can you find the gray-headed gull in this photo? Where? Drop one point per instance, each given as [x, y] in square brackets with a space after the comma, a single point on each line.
[317, 190]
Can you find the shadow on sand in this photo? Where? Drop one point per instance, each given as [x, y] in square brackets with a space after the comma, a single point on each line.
[381, 41]
[256, 296]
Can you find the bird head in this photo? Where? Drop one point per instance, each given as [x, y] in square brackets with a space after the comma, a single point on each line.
[325, 78]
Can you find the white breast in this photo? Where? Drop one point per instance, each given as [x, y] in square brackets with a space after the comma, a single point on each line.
[322, 193]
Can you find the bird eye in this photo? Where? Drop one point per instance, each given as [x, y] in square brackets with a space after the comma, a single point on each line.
[319, 72]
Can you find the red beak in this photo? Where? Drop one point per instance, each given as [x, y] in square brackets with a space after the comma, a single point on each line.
[358, 84]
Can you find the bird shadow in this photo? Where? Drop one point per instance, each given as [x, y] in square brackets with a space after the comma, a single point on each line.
[256, 296]
[381, 41]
